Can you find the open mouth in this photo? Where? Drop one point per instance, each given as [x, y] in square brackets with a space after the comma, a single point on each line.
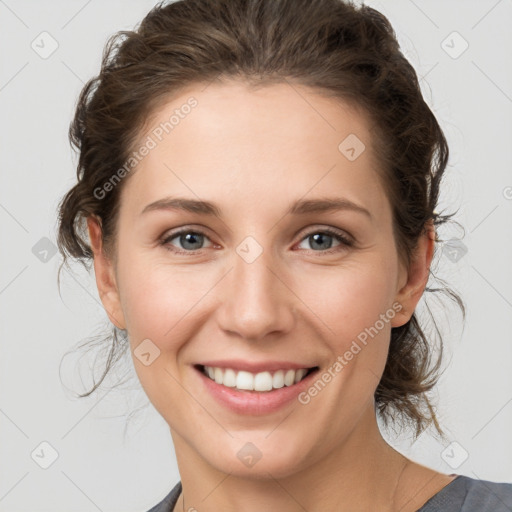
[259, 382]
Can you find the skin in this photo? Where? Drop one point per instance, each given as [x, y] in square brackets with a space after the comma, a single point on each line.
[253, 153]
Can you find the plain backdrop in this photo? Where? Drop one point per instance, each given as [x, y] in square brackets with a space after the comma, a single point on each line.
[96, 458]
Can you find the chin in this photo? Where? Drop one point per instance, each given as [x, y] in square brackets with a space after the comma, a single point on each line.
[258, 459]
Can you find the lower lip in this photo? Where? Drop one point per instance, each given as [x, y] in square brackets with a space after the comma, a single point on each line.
[255, 402]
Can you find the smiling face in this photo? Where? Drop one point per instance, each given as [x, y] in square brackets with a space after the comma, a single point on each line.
[258, 278]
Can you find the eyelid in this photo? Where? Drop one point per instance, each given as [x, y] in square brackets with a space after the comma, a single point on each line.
[170, 235]
[310, 230]
[344, 238]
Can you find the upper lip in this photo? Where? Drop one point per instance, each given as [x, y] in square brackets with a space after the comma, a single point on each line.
[256, 367]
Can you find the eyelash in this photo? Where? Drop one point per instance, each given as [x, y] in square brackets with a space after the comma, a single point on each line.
[344, 241]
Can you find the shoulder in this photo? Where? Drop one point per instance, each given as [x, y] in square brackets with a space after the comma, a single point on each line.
[463, 494]
[168, 503]
[466, 494]
[483, 495]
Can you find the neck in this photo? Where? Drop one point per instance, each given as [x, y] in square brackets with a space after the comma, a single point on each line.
[362, 472]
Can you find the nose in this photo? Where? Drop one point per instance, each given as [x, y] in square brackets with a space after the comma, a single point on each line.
[256, 299]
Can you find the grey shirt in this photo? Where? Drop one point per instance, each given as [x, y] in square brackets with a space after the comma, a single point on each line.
[462, 494]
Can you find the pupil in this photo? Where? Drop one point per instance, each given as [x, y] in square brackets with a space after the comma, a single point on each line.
[320, 236]
[190, 238]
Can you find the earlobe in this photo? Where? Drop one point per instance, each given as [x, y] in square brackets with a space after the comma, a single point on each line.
[417, 277]
[105, 276]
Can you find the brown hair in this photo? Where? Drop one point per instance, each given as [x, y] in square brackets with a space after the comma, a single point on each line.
[332, 46]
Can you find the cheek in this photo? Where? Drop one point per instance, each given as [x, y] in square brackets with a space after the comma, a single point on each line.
[164, 305]
[163, 302]
[158, 300]
[350, 298]
[355, 302]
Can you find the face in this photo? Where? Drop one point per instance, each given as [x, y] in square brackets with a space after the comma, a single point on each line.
[267, 282]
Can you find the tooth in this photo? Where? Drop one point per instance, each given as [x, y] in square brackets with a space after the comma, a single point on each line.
[218, 375]
[263, 381]
[245, 380]
[299, 374]
[229, 378]
[289, 377]
[278, 379]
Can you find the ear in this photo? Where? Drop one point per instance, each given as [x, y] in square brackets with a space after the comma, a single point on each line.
[416, 276]
[105, 276]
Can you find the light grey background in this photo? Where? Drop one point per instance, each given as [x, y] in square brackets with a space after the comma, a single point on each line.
[106, 464]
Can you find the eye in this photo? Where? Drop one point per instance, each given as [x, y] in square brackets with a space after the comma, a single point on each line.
[323, 240]
[190, 240]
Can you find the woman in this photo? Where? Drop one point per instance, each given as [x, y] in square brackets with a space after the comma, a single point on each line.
[259, 181]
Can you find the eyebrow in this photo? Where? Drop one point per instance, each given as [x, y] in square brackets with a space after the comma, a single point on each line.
[300, 207]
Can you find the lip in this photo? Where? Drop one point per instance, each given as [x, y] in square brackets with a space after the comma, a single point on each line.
[254, 403]
[255, 367]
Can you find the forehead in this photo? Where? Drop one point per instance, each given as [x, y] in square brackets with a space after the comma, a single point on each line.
[279, 140]
[257, 114]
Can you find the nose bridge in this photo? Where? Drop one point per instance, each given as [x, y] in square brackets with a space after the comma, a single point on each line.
[256, 301]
